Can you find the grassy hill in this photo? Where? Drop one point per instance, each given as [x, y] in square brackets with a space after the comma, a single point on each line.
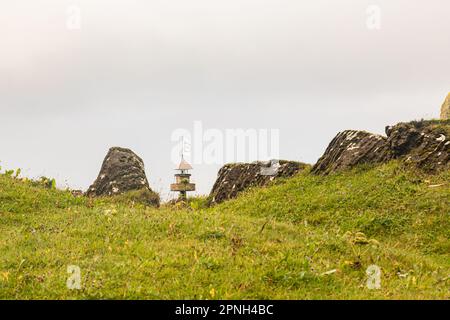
[308, 237]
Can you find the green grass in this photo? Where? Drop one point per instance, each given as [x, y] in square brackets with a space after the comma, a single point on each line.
[270, 243]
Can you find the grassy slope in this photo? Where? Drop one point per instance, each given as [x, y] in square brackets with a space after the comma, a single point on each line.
[274, 242]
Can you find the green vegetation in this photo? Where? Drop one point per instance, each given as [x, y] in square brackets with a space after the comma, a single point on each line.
[433, 124]
[308, 237]
[144, 197]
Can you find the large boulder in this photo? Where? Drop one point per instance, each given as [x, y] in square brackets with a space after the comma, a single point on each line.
[422, 143]
[236, 177]
[445, 109]
[425, 144]
[122, 172]
[350, 148]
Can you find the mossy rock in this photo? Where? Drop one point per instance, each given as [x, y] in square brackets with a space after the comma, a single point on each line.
[143, 196]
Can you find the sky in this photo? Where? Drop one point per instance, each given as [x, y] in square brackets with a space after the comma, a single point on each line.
[79, 77]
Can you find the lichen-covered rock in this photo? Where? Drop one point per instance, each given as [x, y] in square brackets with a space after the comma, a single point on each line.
[237, 177]
[403, 138]
[445, 109]
[122, 171]
[350, 148]
[424, 143]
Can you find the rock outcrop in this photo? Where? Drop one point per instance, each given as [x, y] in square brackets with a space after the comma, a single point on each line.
[445, 109]
[122, 171]
[350, 148]
[237, 177]
[425, 144]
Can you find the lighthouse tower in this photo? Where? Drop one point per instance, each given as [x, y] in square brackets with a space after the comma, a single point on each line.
[182, 180]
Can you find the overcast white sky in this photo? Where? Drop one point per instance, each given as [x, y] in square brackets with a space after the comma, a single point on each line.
[138, 70]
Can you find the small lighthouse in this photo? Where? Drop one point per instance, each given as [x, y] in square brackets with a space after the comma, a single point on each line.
[182, 179]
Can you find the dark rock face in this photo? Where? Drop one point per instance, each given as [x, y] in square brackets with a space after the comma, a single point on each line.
[425, 144]
[403, 138]
[350, 148]
[237, 177]
[122, 171]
